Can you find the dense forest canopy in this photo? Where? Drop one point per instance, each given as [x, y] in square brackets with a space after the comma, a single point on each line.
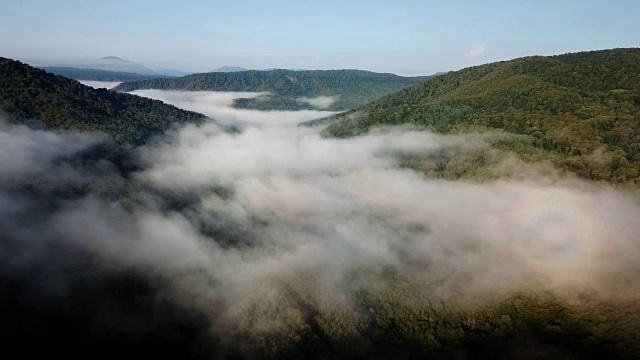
[581, 111]
[27, 93]
[157, 266]
[351, 88]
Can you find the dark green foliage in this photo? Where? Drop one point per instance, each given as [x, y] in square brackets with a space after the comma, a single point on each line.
[580, 111]
[29, 93]
[272, 102]
[351, 87]
[95, 74]
[400, 319]
[383, 314]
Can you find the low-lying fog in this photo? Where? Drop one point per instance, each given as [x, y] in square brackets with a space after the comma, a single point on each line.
[254, 211]
[100, 84]
[218, 105]
[331, 204]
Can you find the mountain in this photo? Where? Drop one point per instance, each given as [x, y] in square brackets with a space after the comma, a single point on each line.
[95, 74]
[290, 90]
[92, 260]
[108, 63]
[580, 111]
[30, 93]
[230, 69]
[114, 63]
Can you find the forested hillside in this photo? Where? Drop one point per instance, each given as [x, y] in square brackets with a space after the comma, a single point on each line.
[247, 266]
[95, 74]
[351, 88]
[28, 93]
[581, 111]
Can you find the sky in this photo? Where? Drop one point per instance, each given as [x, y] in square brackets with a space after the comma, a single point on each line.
[403, 37]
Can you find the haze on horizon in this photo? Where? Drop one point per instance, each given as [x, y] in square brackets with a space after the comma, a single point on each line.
[407, 38]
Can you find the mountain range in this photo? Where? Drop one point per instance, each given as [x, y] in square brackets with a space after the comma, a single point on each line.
[107, 63]
[579, 112]
[289, 89]
[95, 74]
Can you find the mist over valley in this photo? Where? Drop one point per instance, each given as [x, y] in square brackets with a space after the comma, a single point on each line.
[276, 230]
[399, 181]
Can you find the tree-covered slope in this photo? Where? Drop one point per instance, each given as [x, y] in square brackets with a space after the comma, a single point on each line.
[351, 88]
[29, 93]
[580, 110]
[95, 74]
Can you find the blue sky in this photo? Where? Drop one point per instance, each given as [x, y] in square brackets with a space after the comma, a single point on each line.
[404, 37]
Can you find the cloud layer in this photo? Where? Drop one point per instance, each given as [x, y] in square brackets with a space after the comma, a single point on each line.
[228, 227]
[320, 102]
[100, 84]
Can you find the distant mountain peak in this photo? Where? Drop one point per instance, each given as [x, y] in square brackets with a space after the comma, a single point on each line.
[107, 63]
[229, 69]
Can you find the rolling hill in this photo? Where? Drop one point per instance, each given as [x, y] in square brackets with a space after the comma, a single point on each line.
[107, 63]
[230, 69]
[95, 74]
[29, 93]
[114, 63]
[581, 111]
[290, 90]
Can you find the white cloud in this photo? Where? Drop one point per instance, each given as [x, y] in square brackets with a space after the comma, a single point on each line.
[320, 102]
[217, 105]
[476, 50]
[100, 84]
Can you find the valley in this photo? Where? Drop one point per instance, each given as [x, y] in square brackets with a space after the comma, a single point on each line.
[489, 212]
[334, 90]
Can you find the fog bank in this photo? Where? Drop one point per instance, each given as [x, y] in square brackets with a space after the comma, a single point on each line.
[100, 84]
[234, 226]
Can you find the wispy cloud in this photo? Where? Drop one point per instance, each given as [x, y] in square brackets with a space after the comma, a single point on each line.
[476, 50]
[320, 102]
